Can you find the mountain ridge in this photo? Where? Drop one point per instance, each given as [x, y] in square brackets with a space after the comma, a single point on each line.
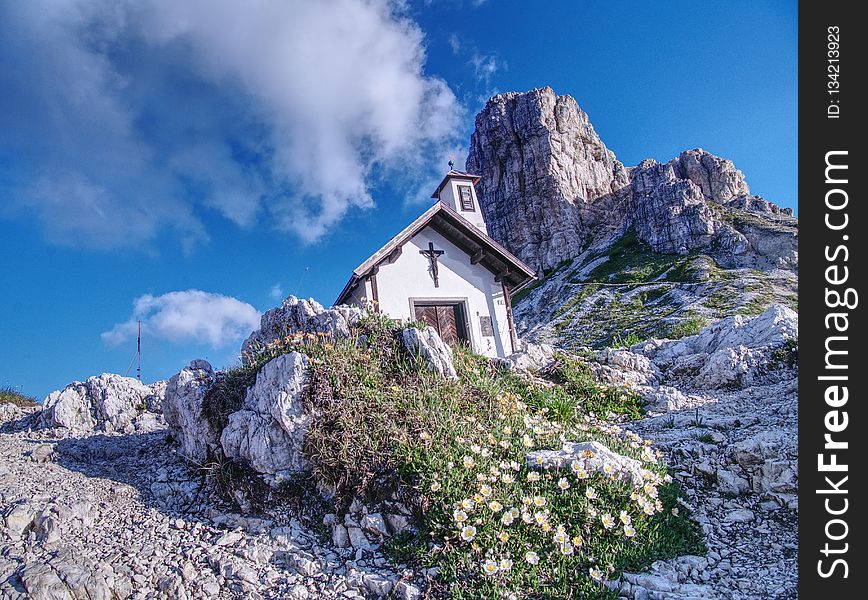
[653, 250]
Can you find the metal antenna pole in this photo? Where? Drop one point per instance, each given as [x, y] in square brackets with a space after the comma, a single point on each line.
[139, 352]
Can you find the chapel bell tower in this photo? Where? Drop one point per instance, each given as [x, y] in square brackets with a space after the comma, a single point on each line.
[458, 192]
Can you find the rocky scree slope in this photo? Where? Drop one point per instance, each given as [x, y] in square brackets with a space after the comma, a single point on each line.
[346, 456]
[557, 197]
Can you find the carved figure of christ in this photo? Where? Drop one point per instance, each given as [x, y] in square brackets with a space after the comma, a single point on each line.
[432, 255]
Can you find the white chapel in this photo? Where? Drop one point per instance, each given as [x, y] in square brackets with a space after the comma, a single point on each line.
[445, 270]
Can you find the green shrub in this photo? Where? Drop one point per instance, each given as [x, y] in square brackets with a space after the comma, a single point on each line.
[10, 395]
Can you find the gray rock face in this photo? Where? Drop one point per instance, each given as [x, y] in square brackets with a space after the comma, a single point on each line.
[550, 189]
[427, 347]
[182, 408]
[109, 403]
[301, 316]
[268, 432]
[542, 166]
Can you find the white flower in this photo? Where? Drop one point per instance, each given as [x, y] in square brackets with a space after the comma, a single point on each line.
[475, 448]
[505, 564]
[466, 504]
[485, 491]
[625, 518]
[468, 533]
[481, 477]
[435, 487]
[468, 462]
[563, 483]
[527, 441]
[539, 501]
[489, 567]
[541, 517]
[533, 476]
[460, 516]
[582, 474]
[629, 531]
[486, 452]
[507, 518]
[650, 489]
[648, 509]
[591, 493]
[560, 537]
[503, 444]
[503, 536]
[674, 511]
[425, 436]
[507, 479]
[531, 557]
[595, 573]
[608, 469]
[578, 541]
[514, 512]
[566, 549]
[527, 517]
[515, 465]
[495, 506]
[575, 466]
[608, 521]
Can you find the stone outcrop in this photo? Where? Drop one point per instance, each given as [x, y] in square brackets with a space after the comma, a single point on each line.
[550, 190]
[733, 352]
[532, 357]
[109, 403]
[268, 432]
[182, 408]
[301, 316]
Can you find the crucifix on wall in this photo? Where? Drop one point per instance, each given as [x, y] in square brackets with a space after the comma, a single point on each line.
[432, 255]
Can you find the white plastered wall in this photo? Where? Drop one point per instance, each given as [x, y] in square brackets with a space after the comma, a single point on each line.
[409, 278]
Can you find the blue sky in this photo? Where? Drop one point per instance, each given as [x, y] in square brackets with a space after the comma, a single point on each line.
[193, 163]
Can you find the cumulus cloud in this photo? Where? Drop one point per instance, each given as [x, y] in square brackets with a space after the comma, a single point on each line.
[190, 316]
[125, 120]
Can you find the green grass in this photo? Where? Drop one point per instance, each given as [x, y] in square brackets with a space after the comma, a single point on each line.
[10, 395]
[385, 427]
[686, 327]
[574, 301]
[631, 339]
[631, 261]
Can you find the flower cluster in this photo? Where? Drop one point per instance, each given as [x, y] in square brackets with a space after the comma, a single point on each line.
[514, 511]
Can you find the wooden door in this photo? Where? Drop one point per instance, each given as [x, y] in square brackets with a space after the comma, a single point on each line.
[446, 319]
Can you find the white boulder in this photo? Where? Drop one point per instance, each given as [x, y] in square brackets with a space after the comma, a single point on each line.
[426, 347]
[268, 432]
[109, 403]
[182, 409]
[301, 316]
[591, 456]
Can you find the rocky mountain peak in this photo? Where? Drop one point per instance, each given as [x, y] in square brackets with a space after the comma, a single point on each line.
[551, 190]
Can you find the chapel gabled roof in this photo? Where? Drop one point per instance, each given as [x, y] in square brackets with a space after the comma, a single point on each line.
[482, 250]
[453, 173]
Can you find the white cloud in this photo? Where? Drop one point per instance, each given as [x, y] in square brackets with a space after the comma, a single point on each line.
[123, 120]
[190, 316]
[276, 292]
[485, 66]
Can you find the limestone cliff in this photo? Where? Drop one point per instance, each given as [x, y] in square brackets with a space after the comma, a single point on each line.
[688, 233]
[550, 190]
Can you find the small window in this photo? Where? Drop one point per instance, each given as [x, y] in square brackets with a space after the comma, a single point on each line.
[465, 195]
